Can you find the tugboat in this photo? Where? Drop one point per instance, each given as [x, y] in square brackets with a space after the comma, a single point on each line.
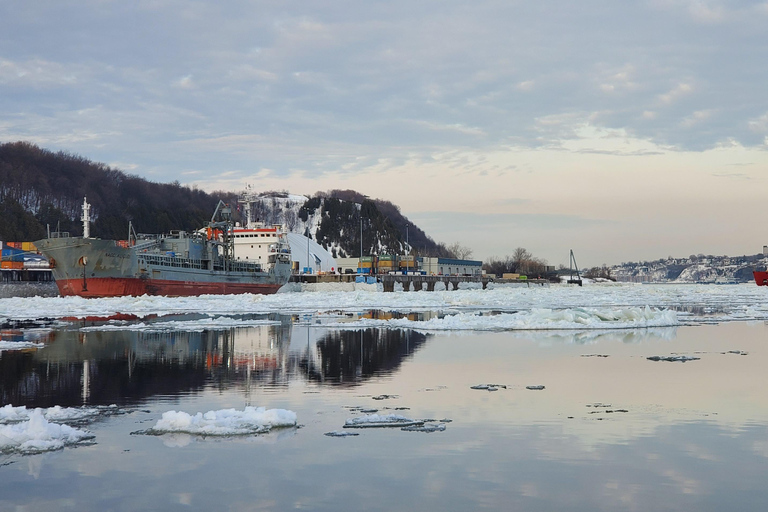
[175, 264]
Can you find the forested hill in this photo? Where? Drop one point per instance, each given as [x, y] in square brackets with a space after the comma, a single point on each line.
[39, 187]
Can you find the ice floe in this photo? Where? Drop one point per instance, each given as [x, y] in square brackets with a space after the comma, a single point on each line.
[341, 433]
[36, 434]
[489, 387]
[204, 324]
[381, 421]
[224, 422]
[693, 302]
[426, 427]
[538, 319]
[11, 414]
[679, 359]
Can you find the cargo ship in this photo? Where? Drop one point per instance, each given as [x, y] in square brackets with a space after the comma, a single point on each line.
[176, 264]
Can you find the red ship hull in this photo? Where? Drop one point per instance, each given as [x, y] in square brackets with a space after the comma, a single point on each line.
[761, 277]
[120, 287]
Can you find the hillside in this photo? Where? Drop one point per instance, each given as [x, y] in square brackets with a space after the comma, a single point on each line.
[694, 269]
[40, 187]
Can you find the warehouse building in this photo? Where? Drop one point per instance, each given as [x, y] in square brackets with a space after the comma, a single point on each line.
[450, 266]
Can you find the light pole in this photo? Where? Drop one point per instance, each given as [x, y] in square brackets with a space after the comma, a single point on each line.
[408, 246]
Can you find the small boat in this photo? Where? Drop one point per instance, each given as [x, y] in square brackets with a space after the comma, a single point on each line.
[761, 277]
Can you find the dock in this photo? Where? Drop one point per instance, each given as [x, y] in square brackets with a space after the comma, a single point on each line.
[418, 282]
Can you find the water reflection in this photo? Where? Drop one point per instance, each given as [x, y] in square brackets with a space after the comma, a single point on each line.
[128, 366]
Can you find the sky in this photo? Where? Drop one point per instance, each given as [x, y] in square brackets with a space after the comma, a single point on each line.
[625, 131]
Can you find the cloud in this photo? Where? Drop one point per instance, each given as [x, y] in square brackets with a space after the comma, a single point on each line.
[679, 91]
[696, 118]
[37, 73]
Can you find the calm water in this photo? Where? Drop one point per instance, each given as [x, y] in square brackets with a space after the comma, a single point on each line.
[607, 433]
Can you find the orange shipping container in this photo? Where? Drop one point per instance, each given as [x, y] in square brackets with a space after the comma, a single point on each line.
[12, 265]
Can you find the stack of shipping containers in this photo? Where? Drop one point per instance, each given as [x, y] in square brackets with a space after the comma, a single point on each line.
[386, 264]
[13, 254]
[366, 265]
[407, 263]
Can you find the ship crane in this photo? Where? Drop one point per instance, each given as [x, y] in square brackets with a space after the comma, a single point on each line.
[224, 212]
[573, 266]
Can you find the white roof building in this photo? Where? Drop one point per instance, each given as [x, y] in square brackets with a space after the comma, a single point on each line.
[319, 259]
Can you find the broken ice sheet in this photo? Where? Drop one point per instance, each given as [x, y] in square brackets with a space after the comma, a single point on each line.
[385, 397]
[489, 387]
[381, 421]
[340, 433]
[224, 422]
[680, 359]
[426, 427]
[37, 435]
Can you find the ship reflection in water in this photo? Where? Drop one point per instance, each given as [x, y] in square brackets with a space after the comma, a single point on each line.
[125, 367]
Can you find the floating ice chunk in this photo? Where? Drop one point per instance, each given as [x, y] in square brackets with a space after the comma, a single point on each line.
[10, 414]
[535, 388]
[224, 422]
[37, 435]
[340, 433]
[681, 359]
[427, 427]
[379, 421]
[385, 397]
[489, 387]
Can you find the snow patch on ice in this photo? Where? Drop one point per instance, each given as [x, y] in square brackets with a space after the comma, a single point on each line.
[224, 422]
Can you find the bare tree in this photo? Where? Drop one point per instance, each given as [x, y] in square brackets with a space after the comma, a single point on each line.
[459, 251]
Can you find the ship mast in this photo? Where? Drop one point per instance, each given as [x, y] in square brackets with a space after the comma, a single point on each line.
[246, 199]
[86, 218]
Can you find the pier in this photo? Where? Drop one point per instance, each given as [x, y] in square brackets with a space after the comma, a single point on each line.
[418, 282]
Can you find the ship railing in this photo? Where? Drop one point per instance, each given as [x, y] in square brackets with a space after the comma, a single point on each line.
[170, 261]
[60, 234]
[238, 266]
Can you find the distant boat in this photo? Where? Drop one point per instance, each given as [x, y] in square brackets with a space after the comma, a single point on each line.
[761, 277]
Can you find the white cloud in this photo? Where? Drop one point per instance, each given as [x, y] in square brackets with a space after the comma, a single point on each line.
[526, 85]
[185, 82]
[696, 118]
[677, 92]
[759, 124]
[37, 73]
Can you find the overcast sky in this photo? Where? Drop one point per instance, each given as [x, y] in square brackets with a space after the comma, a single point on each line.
[624, 130]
